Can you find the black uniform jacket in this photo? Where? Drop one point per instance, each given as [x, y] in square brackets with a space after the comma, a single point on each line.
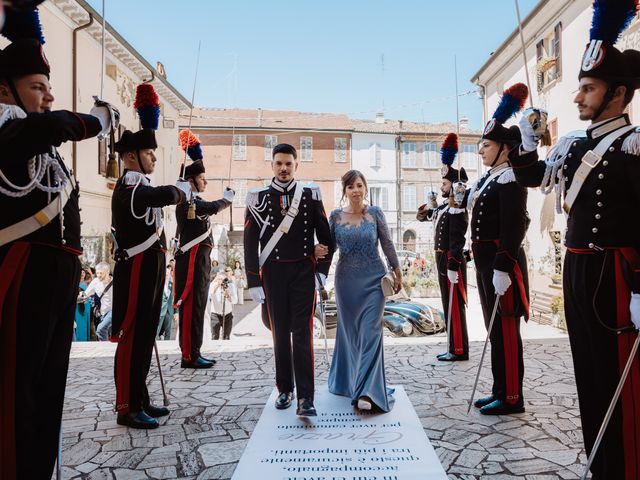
[21, 139]
[131, 231]
[499, 214]
[267, 205]
[450, 229]
[188, 230]
[604, 214]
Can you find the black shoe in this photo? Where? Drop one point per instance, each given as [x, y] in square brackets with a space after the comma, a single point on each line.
[137, 420]
[450, 357]
[440, 355]
[284, 400]
[197, 363]
[156, 412]
[481, 402]
[210, 360]
[306, 408]
[500, 407]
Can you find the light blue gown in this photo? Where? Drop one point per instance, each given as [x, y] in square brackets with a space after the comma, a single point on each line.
[357, 368]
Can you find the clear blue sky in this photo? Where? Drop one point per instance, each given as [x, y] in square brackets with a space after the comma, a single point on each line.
[322, 56]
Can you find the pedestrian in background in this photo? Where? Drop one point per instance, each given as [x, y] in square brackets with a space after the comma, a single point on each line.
[223, 294]
[240, 280]
[167, 311]
[99, 291]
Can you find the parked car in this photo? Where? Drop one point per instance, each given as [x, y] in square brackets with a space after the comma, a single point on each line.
[402, 317]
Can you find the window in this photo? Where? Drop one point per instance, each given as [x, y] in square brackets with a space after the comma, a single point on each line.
[375, 155]
[270, 141]
[240, 186]
[430, 159]
[409, 198]
[409, 154]
[340, 150]
[306, 149]
[239, 147]
[549, 58]
[379, 197]
[470, 156]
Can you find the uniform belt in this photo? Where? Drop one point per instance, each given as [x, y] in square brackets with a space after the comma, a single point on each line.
[38, 220]
[189, 245]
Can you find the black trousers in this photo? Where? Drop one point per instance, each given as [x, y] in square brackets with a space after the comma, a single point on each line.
[290, 297]
[458, 337]
[193, 276]
[507, 364]
[599, 356]
[36, 326]
[218, 322]
[137, 299]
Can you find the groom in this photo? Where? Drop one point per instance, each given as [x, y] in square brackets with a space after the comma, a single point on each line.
[280, 223]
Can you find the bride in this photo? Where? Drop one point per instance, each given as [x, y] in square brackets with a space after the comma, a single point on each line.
[357, 369]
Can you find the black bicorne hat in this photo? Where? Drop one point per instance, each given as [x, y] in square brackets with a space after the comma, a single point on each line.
[602, 59]
[195, 169]
[512, 101]
[23, 57]
[141, 140]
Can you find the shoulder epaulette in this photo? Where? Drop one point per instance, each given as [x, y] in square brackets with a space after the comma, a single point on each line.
[316, 194]
[631, 144]
[507, 177]
[133, 178]
[455, 211]
[253, 196]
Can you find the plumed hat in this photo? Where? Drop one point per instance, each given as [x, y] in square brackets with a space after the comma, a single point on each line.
[24, 55]
[512, 101]
[147, 105]
[448, 153]
[190, 144]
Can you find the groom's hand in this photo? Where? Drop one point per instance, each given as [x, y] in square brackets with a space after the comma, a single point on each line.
[320, 251]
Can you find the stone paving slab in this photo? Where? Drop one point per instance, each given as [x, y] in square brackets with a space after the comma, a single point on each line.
[213, 413]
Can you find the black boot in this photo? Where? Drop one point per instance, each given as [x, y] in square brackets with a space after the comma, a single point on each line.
[306, 408]
[197, 363]
[450, 357]
[501, 407]
[284, 400]
[156, 412]
[481, 402]
[210, 360]
[137, 420]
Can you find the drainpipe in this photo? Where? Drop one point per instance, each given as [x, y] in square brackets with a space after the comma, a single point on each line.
[74, 81]
[398, 192]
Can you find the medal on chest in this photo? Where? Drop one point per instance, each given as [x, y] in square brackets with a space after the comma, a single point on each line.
[284, 204]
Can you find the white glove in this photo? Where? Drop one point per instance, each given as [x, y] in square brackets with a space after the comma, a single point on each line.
[501, 282]
[103, 114]
[229, 194]
[453, 276]
[323, 280]
[257, 294]
[533, 124]
[634, 307]
[185, 186]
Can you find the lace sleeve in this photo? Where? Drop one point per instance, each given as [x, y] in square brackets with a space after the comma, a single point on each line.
[385, 238]
[333, 218]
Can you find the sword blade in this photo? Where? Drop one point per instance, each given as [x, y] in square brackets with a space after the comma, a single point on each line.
[164, 392]
[449, 316]
[484, 351]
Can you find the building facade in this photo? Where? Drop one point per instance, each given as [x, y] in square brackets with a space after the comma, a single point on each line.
[73, 31]
[556, 34]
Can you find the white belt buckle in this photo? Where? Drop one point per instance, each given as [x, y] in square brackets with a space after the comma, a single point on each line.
[292, 212]
[591, 159]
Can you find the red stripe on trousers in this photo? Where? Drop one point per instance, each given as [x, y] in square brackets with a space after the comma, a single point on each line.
[186, 304]
[125, 340]
[630, 396]
[11, 274]
[510, 341]
[456, 324]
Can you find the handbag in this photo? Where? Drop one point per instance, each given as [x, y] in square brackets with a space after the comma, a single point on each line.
[387, 285]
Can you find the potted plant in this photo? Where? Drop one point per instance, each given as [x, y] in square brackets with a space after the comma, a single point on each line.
[556, 279]
[557, 312]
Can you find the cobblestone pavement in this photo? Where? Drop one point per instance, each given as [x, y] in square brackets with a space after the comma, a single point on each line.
[214, 412]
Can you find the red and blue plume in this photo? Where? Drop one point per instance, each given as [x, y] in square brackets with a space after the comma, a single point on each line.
[23, 25]
[190, 143]
[611, 18]
[513, 100]
[449, 149]
[147, 105]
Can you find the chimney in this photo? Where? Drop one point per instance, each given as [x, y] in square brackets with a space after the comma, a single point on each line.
[464, 123]
[260, 118]
[400, 124]
[380, 117]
